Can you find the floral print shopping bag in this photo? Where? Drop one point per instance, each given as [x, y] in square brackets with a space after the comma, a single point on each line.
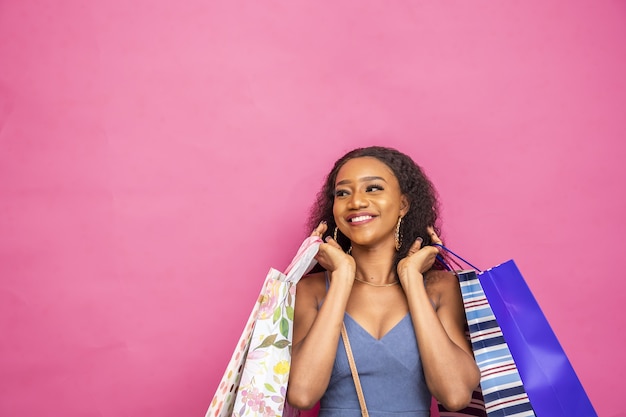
[255, 381]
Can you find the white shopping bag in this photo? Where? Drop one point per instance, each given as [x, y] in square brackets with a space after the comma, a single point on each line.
[255, 381]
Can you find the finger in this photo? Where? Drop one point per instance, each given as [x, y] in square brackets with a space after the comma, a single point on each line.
[433, 235]
[332, 242]
[320, 229]
[417, 245]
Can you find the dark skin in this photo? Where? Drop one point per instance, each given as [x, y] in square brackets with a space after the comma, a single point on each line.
[367, 206]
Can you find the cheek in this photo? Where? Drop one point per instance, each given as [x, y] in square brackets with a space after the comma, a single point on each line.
[388, 205]
[393, 210]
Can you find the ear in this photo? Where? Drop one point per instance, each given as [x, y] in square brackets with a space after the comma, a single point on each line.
[404, 205]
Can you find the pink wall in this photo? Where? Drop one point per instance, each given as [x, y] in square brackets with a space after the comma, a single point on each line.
[157, 157]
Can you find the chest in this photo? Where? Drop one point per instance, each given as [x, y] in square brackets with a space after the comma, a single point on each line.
[377, 309]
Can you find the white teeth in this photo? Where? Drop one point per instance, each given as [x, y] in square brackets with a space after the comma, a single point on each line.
[360, 218]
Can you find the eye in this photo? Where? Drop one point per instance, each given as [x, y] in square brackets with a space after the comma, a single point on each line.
[341, 193]
[374, 187]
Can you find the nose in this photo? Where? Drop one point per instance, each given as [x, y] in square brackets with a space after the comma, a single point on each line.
[358, 200]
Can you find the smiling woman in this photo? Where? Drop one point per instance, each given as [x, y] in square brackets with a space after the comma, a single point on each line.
[377, 213]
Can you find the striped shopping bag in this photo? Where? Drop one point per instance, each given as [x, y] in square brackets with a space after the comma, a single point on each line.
[501, 392]
[502, 387]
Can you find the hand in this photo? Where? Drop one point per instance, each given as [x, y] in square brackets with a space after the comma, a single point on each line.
[419, 259]
[330, 255]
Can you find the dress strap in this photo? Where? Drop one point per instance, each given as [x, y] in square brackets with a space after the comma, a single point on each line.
[327, 286]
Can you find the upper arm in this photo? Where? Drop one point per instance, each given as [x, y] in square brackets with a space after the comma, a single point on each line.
[449, 307]
[309, 293]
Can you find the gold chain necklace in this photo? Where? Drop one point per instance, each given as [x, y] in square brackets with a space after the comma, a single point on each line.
[375, 285]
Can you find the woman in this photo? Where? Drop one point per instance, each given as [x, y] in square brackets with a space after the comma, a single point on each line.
[405, 320]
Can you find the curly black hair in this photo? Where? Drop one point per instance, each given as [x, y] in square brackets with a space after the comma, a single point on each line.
[414, 184]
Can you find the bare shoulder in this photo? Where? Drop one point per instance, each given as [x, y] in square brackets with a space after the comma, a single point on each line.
[441, 285]
[312, 287]
[439, 278]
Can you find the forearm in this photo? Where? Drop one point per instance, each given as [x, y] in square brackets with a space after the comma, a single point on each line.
[313, 357]
[450, 370]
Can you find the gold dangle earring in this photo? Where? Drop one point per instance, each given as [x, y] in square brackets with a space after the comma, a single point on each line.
[397, 236]
[335, 238]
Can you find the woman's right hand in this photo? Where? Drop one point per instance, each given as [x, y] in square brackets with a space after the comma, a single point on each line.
[330, 255]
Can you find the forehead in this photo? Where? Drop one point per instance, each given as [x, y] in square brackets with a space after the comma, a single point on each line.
[365, 166]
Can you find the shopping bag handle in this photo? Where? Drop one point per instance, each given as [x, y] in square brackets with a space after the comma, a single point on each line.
[442, 260]
[304, 260]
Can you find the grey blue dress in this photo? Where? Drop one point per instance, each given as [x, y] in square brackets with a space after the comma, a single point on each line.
[390, 371]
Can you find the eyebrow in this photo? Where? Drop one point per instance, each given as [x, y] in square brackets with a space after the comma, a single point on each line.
[363, 179]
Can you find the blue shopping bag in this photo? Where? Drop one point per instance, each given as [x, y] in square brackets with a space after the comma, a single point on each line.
[547, 375]
[549, 378]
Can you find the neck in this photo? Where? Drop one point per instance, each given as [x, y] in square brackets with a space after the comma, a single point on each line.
[375, 265]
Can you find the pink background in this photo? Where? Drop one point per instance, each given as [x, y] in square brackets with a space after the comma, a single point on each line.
[157, 157]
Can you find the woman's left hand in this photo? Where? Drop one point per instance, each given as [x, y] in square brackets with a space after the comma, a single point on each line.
[419, 260]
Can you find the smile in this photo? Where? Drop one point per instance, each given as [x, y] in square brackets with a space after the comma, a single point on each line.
[358, 219]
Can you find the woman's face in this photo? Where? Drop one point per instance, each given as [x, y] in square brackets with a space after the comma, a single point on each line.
[368, 202]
